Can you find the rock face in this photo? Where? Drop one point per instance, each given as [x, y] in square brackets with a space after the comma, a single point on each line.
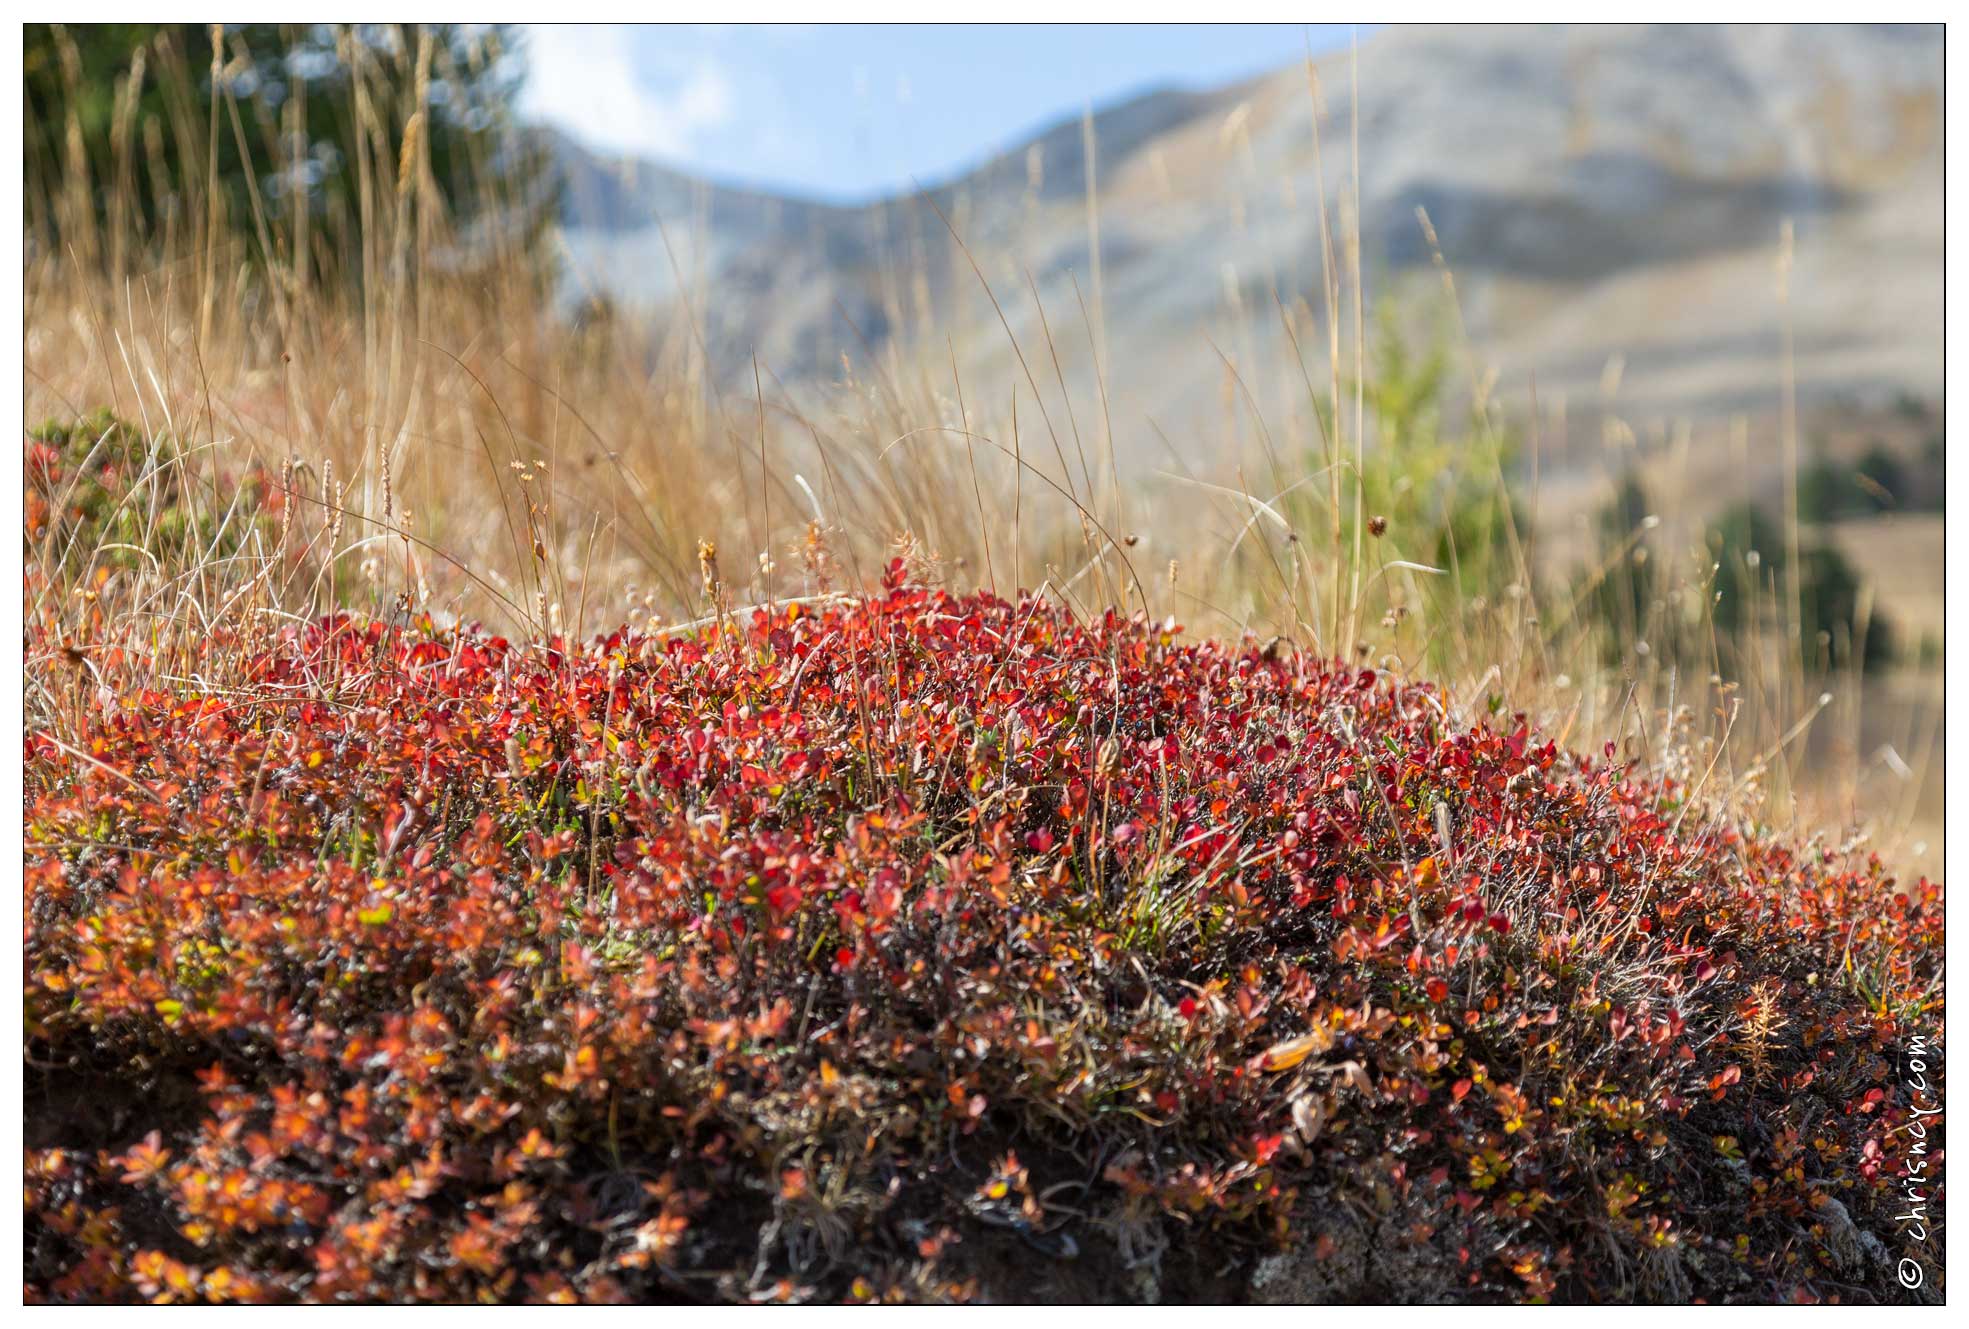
[1610, 201]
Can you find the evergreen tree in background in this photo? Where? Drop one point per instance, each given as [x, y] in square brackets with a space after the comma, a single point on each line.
[1838, 625]
[1883, 479]
[128, 125]
[1624, 594]
[1749, 552]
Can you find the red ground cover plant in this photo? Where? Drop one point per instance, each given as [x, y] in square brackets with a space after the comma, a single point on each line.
[928, 947]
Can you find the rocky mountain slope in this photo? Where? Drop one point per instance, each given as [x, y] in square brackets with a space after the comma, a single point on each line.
[1609, 200]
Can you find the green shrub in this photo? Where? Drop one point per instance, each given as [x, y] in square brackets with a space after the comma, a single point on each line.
[1428, 492]
[99, 490]
[1623, 588]
[1752, 589]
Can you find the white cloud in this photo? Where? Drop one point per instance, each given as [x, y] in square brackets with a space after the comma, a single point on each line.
[585, 79]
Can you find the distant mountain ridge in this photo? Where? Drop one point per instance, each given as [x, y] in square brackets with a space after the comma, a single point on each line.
[1609, 200]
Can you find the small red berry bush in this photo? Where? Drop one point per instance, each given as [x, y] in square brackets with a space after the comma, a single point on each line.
[928, 947]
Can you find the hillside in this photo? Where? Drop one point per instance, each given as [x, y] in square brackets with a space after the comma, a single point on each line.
[1605, 197]
[1086, 964]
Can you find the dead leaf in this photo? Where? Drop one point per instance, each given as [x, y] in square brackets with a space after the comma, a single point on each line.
[1284, 1056]
[1308, 1117]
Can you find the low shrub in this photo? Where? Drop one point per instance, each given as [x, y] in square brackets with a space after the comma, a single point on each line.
[929, 947]
[99, 489]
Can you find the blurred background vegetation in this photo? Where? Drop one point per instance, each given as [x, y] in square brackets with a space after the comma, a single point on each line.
[164, 127]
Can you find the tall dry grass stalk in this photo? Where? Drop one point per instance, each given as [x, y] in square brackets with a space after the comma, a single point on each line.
[442, 434]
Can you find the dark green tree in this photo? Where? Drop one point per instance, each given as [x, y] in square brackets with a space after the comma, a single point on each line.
[1752, 591]
[1882, 479]
[1749, 553]
[1826, 492]
[141, 118]
[1626, 589]
[1835, 632]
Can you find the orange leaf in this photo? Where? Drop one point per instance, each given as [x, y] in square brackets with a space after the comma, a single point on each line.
[1284, 1056]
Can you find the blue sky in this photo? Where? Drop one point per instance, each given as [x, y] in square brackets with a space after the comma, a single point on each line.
[853, 111]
